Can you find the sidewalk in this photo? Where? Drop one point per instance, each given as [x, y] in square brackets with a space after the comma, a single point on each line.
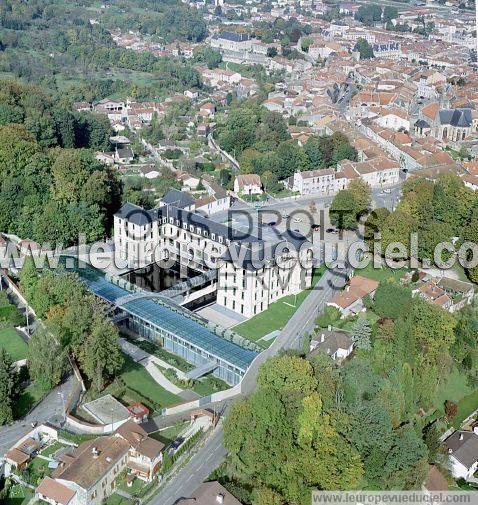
[148, 361]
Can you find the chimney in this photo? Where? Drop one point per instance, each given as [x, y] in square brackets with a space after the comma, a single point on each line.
[220, 498]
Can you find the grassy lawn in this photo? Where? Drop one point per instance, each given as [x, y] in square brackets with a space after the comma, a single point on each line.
[167, 435]
[381, 274]
[27, 399]
[138, 379]
[455, 389]
[277, 315]
[39, 465]
[208, 385]
[18, 495]
[13, 343]
[347, 324]
[116, 499]
[466, 406]
[75, 438]
[152, 348]
[51, 449]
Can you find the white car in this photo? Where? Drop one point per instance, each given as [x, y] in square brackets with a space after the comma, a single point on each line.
[387, 191]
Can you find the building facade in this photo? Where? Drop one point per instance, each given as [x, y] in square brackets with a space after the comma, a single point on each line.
[251, 272]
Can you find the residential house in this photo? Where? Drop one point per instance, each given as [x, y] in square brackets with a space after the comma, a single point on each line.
[231, 41]
[450, 294]
[335, 343]
[248, 184]
[124, 155]
[207, 110]
[106, 158]
[55, 493]
[462, 448]
[187, 180]
[432, 293]
[149, 172]
[210, 204]
[82, 106]
[19, 456]
[179, 199]
[210, 493]
[114, 109]
[91, 469]
[350, 300]
[315, 181]
[29, 247]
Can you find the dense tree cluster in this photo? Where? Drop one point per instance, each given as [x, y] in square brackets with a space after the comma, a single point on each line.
[350, 204]
[435, 211]
[168, 20]
[287, 31]
[284, 440]
[51, 123]
[55, 45]
[259, 139]
[369, 14]
[75, 324]
[53, 195]
[8, 387]
[364, 48]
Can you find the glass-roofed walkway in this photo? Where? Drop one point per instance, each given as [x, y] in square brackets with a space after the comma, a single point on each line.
[179, 334]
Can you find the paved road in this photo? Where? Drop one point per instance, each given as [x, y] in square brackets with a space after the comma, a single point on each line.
[205, 461]
[50, 409]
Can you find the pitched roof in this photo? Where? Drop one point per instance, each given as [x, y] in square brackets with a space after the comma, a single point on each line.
[463, 446]
[208, 493]
[55, 491]
[91, 460]
[333, 341]
[179, 199]
[248, 180]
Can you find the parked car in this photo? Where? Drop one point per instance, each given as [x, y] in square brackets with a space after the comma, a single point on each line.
[315, 227]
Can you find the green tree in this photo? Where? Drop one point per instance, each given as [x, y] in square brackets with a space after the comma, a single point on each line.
[291, 445]
[361, 332]
[374, 224]
[392, 299]
[368, 14]
[389, 13]
[28, 278]
[101, 356]
[364, 48]
[7, 387]
[46, 360]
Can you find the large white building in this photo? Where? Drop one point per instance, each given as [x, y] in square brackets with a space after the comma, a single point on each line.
[251, 272]
[377, 172]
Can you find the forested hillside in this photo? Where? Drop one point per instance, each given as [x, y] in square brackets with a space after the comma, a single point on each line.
[51, 188]
[66, 46]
